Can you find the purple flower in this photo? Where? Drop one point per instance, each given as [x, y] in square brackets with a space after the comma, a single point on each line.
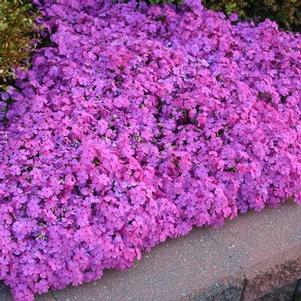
[137, 125]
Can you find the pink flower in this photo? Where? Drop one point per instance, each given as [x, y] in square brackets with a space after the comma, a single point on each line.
[136, 125]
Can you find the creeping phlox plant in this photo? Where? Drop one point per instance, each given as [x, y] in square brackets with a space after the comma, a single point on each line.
[137, 124]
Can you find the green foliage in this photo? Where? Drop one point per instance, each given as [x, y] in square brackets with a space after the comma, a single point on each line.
[164, 1]
[17, 33]
[287, 13]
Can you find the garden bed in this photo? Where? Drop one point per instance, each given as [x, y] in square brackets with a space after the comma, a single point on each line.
[136, 124]
[256, 257]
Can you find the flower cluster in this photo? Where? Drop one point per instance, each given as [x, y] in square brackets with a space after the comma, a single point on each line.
[136, 124]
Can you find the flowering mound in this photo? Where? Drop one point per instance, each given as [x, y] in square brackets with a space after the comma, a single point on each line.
[137, 124]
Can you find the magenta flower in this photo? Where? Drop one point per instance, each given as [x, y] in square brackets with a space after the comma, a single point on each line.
[134, 126]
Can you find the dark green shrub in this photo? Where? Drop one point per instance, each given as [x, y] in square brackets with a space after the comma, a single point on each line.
[17, 33]
[164, 1]
[287, 13]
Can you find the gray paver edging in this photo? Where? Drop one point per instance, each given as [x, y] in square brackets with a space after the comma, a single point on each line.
[254, 257]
